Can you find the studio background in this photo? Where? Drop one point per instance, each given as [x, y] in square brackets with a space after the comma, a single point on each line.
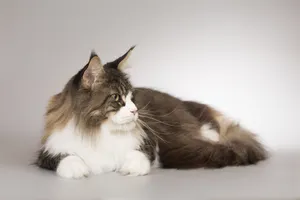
[241, 57]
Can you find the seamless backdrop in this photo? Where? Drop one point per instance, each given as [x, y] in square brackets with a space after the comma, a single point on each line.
[243, 57]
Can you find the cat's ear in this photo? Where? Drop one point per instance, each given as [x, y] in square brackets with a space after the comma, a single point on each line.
[119, 63]
[93, 70]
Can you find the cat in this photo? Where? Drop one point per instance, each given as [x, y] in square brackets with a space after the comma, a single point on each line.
[100, 123]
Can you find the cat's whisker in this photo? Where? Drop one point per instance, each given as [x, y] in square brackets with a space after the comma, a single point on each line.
[170, 112]
[145, 106]
[158, 120]
[165, 115]
[150, 116]
[151, 130]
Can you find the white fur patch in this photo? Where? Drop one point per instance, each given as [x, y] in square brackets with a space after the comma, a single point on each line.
[209, 134]
[105, 153]
[72, 167]
[136, 164]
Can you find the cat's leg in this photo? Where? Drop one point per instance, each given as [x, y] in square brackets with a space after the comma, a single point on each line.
[67, 166]
[72, 166]
[136, 164]
[101, 163]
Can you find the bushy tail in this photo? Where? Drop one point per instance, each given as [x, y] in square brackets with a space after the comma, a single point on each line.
[237, 146]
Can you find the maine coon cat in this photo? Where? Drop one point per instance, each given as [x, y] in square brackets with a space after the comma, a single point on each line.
[100, 123]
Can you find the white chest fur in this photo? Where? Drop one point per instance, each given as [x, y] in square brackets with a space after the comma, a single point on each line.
[106, 151]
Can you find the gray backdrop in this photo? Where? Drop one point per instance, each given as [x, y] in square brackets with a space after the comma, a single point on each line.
[240, 56]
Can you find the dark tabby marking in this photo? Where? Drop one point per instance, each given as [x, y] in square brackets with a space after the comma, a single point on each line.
[47, 161]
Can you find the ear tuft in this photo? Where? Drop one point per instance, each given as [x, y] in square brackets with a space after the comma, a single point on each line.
[120, 62]
[93, 53]
[121, 65]
[131, 48]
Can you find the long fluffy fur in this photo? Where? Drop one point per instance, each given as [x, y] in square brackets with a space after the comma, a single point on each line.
[171, 128]
[237, 147]
[176, 125]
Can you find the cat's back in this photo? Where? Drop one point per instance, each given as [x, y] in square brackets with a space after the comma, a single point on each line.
[151, 97]
[163, 111]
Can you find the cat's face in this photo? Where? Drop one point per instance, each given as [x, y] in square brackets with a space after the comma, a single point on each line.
[126, 114]
[105, 94]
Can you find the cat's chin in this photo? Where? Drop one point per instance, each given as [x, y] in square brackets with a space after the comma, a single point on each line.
[125, 127]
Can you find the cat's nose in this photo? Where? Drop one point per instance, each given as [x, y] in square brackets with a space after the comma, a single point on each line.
[133, 111]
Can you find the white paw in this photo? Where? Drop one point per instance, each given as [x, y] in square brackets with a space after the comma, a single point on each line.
[72, 167]
[136, 164]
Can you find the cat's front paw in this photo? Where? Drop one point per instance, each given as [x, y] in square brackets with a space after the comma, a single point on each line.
[136, 164]
[72, 167]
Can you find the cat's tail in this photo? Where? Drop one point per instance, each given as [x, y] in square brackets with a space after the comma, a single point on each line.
[237, 146]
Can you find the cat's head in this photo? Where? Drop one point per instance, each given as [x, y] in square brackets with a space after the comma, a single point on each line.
[103, 92]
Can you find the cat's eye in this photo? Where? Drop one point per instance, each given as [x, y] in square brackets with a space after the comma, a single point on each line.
[116, 97]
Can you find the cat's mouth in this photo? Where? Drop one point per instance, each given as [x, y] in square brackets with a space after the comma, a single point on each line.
[125, 121]
[128, 120]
